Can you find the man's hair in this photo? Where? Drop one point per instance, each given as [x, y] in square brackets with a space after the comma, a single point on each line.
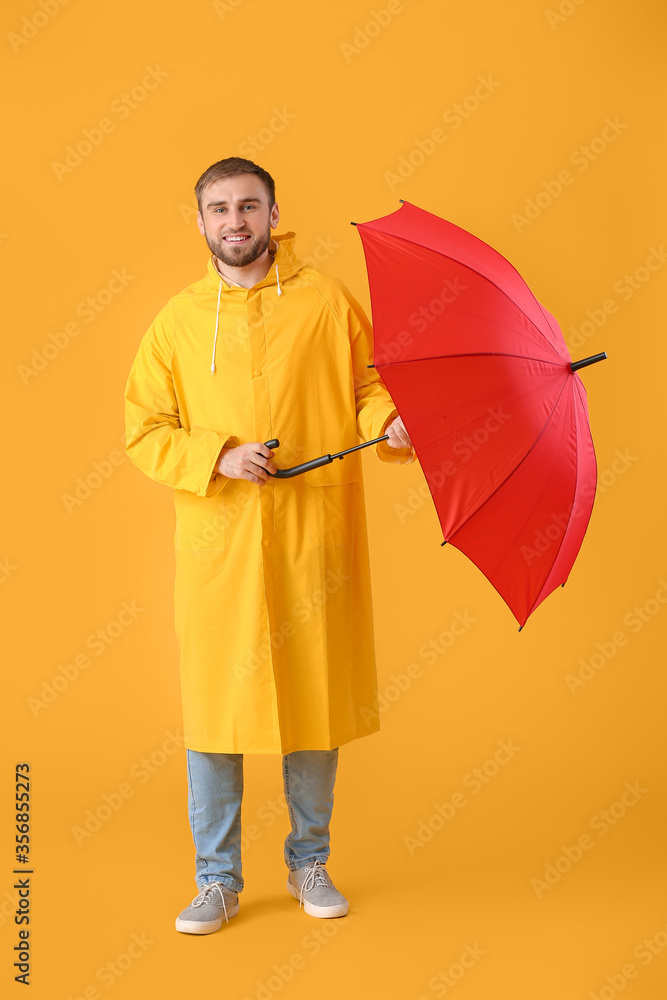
[230, 167]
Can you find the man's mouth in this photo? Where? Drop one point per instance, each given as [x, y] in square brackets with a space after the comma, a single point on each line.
[236, 239]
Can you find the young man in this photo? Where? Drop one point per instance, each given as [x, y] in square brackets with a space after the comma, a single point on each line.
[273, 609]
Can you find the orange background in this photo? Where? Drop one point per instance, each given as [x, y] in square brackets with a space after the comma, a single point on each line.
[358, 92]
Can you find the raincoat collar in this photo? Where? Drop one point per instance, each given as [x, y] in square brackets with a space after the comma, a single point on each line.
[285, 264]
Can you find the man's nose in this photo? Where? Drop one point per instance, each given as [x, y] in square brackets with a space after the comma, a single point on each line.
[235, 220]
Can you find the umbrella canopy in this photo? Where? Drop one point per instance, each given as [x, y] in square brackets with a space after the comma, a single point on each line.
[483, 380]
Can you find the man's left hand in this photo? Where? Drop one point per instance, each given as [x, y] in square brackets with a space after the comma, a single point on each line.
[398, 436]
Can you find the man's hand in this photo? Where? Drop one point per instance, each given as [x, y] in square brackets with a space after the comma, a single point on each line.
[247, 461]
[398, 436]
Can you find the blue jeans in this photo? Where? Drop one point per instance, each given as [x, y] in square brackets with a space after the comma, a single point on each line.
[215, 791]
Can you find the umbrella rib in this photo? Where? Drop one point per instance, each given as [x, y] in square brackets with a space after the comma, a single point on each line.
[449, 257]
[517, 466]
[472, 354]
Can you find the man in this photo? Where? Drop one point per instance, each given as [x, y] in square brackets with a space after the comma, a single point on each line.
[273, 609]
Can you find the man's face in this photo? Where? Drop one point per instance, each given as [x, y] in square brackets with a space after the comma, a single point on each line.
[237, 207]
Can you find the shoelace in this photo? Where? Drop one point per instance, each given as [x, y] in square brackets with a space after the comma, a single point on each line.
[205, 896]
[317, 875]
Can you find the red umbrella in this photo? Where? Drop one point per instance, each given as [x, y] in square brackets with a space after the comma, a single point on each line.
[484, 383]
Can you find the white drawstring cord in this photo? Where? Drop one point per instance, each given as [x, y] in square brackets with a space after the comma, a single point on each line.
[217, 321]
[217, 316]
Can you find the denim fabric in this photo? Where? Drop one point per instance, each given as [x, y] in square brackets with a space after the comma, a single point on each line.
[215, 792]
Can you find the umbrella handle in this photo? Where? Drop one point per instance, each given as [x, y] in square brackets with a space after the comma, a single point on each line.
[296, 470]
[315, 463]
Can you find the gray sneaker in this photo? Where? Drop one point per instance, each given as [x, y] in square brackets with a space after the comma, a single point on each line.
[313, 887]
[206, 911]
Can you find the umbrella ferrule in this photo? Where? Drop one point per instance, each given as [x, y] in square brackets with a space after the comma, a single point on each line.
[585, 362]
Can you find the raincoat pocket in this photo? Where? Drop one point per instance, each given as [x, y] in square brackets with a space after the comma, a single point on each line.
[202, 523]
[332, 497]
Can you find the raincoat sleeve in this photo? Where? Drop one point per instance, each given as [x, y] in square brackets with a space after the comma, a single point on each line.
[375, 407]
[155, 439]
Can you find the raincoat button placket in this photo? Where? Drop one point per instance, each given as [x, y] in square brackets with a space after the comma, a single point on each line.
[260, 397]
[263, 429]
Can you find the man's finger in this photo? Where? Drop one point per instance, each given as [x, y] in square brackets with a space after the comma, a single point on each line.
[268, 465]
[402, 432]
[262, 466]
[402, 438]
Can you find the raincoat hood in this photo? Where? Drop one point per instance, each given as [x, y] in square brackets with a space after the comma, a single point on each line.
[284, 259]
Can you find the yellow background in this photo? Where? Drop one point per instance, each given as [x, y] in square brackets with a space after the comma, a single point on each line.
[360, 100]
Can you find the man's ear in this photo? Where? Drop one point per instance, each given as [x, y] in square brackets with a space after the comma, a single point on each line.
[275, 216]
[200, 223]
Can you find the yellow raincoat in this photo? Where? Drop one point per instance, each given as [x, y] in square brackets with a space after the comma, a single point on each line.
[272, 596]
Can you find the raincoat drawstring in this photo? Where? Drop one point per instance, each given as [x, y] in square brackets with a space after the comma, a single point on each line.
[217, 321]
[217, 317]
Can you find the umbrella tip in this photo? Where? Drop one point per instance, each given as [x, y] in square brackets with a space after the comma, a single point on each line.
[443, 543]
[585, 362]
[401, 201]
[520, 627]
[353, 223]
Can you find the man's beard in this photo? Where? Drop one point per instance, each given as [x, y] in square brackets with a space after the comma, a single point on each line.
[244, 254]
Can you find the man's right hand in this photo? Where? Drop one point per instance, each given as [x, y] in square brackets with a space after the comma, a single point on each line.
[247, 461]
